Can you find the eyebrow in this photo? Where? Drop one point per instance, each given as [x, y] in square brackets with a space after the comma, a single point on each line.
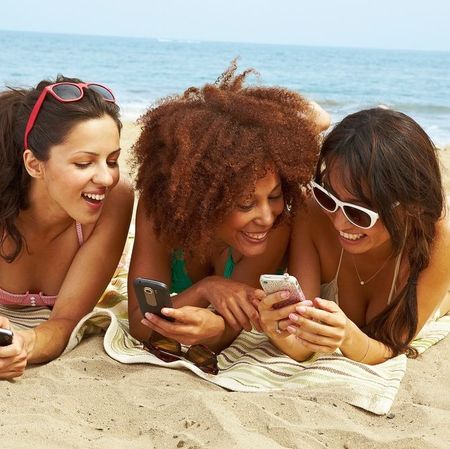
[92, 153]
[276, 187]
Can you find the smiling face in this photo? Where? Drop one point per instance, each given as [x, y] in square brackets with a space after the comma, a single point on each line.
[353, 239]
[82, 170]
[247, 228]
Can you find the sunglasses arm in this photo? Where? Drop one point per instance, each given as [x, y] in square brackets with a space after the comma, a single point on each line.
[33, 116]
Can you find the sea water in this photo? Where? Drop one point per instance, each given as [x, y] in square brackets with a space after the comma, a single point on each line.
[142, 70]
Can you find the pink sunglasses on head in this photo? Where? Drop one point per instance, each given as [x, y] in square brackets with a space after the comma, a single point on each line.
[64, 92]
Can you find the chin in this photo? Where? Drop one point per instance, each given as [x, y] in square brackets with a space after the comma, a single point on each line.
[253, 252]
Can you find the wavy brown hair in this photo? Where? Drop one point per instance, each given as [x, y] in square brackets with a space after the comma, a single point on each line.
[389, 159]
[199, 152]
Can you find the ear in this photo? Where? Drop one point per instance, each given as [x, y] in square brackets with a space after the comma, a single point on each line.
[33, 166]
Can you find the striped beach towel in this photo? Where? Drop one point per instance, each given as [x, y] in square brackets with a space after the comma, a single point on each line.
[251, 363]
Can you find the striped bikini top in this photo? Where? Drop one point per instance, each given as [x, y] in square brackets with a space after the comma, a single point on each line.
[34, 299]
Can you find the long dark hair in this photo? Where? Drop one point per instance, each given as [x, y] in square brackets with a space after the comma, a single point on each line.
[388, 159]
[54, 122]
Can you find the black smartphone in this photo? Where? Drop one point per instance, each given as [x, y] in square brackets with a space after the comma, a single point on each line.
[6, 337]
[152, 296]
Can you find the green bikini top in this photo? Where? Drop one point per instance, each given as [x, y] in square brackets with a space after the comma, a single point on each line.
[181, 280]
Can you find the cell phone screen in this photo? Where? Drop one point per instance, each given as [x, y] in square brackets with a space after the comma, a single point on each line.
[6, 337]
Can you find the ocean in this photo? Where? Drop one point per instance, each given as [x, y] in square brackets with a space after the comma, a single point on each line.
[142, 70]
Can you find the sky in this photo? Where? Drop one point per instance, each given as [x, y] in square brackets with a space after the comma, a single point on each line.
[390, 24]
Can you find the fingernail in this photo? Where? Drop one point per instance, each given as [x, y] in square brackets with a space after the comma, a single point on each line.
[285, 294]
[291, 329]
[293, 317]
[149, 316]
[300, 309]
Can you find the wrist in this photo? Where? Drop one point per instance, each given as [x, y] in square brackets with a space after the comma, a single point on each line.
[350, 330]
[29, 340]
[202, 290]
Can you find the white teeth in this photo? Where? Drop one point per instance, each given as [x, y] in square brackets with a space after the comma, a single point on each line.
[350, 236]
[94, 196]
[256, 236]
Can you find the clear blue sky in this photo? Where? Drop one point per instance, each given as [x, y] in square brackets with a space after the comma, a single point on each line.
[402, 24]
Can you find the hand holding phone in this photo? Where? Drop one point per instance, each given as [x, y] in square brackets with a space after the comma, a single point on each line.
[152, 296]
[272, 283]
[6, 337]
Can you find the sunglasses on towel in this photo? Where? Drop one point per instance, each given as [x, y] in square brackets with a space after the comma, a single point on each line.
[169, 350]
[64, 92]
[357, 215]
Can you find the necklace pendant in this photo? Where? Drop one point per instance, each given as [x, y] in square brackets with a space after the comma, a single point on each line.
[362, 282]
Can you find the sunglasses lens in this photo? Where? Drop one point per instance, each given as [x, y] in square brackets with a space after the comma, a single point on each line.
[162, 355]
[203, 357]
[357, 217]
[165, 344]
[67, 92]
[324, 200]
[103, 91]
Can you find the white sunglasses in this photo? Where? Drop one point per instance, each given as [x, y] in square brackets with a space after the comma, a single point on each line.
[357, 215]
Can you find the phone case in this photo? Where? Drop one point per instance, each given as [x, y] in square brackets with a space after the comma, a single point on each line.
[272, 283]
[152, 296]
[6, 337]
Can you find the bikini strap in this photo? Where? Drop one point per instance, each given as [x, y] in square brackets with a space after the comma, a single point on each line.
[339, 265]
[79, 233]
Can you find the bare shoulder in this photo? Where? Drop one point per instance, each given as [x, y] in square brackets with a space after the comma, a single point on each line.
[311, 219]
[122, 192]
[118, 208]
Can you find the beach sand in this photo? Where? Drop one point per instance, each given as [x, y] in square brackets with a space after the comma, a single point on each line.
[85, 399]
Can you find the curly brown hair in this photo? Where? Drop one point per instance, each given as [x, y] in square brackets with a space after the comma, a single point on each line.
[199, 152]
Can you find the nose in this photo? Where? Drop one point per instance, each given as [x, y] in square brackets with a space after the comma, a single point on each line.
[265, 216]
[103, 175]
[338, 219]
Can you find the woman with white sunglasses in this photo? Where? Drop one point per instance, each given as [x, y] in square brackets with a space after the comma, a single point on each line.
[371, 248]
[64, 214]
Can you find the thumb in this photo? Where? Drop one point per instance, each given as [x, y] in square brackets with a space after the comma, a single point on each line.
[4, 323]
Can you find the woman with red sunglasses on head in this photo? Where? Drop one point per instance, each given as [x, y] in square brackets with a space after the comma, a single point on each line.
[64, 214]
[217, 168]
[371, 248]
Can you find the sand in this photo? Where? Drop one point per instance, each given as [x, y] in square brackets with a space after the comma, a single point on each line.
[85, 399]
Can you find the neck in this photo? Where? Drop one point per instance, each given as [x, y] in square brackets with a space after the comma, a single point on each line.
[376, 255]
[43, 216]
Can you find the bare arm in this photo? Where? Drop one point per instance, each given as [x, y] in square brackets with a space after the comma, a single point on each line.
[87, 278]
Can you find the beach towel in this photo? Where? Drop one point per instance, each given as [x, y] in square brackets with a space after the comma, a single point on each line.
[251, 363]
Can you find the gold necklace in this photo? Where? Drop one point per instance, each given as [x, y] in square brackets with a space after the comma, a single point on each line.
[362, 282]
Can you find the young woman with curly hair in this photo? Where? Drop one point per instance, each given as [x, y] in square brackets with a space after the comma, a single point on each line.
[64, 214]
[219, 172]
[372, 245]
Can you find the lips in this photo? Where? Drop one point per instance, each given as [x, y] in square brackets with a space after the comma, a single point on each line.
[94, 198]
[255, 237]
[351, 237]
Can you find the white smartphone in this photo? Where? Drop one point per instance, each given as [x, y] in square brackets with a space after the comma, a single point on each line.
[272, 283]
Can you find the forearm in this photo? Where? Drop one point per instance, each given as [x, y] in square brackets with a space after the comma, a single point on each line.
[360, 347]
[196, 296]
[221, 341]
[47, 341]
